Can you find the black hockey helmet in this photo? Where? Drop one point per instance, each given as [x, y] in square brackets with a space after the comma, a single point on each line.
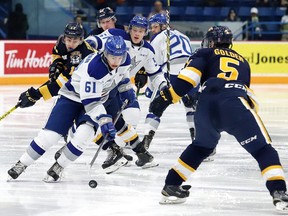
[74, 30]
[104, 13]
[221, 36]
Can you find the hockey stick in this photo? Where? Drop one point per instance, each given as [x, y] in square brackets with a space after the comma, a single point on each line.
[138, 90]
[17, 105]
[168, 41]
[105, 137]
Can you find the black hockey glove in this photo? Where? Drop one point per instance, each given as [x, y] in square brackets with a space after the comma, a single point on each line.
[29, 97]
[141, 78]
[190, 101]
[161, 102]
[55, 69]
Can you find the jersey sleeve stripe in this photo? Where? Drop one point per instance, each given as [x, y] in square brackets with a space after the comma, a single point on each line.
[45, 92]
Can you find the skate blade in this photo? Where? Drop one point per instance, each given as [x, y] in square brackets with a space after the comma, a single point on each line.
[282, 207]
[150, 165]
[10, 179]
[208, 159]
[49, 179]
[171, 200]
[113, 168]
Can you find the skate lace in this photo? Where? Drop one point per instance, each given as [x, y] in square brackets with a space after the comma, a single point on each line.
[57, 169]
[111, 154]
[19, 167]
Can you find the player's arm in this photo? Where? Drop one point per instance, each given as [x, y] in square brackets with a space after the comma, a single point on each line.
[188, 78]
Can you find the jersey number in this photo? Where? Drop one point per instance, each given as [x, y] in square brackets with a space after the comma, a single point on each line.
[228, 72]
[90, 87]
[179, 40]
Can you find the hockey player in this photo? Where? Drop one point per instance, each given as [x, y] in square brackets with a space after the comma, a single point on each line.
[226, 103]
[142, 56]
[180, 51]
[68, 52]
[93, 97]
[106, 19]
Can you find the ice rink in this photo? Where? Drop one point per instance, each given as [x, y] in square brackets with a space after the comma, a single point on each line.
[230, 185]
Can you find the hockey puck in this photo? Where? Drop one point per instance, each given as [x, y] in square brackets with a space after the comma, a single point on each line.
[93, 184]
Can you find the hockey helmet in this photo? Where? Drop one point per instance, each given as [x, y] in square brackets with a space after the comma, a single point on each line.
[115, 46]
[221, 36]
[139, 21]
[105, 13]
[74, 30]
[158, 18]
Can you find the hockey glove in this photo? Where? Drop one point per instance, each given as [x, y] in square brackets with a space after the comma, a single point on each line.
[107, 126]
[29, 97]
[55, 69]
[141, 78]
[190, 101]
[161, 102]
[126, 91]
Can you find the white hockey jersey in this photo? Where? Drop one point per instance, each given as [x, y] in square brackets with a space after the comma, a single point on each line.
[92, 81]
[141, 56]
[180, 50]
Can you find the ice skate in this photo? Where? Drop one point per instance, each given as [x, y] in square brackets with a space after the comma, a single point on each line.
[210, 157]
[145, 159]
[16, 170]
[54, 174]
[148, 139]
[59, 152]
[174, 194]
[280, 200]
[115, 159]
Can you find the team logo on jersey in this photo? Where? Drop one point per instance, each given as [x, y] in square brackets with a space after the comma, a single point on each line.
[134, 63]
[75, 57]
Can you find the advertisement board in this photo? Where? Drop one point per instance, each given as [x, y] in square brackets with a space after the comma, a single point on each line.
[25, 62]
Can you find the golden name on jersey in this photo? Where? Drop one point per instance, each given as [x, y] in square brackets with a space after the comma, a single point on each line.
[228, 53]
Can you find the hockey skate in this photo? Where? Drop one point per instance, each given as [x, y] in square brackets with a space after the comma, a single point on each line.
[59, 152]
[148, 139]
[54, 174]
[115, 159]
[210, 157]
[280, 200]
[174, 194]
[16, 170]
[145, 159]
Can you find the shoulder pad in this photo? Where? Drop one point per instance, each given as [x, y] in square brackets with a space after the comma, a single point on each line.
[148, 46]
[119, 32]
[97, 68]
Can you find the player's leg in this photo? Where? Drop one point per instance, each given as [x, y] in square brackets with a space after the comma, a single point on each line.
[57, 125]
[83, 136]
[254, 138]
[205, 141]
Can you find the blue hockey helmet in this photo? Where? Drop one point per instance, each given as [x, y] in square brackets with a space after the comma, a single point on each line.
[139, 21]
[74, 30]
[158, 18]
[221, 36]
[115, 46]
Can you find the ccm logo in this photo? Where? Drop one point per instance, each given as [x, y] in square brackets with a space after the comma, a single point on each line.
[235, 85]
[248, 140]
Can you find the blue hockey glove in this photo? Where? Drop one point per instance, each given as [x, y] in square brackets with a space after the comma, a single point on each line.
[107, 126]
[29, 97]
[161, 102]
[126, 91]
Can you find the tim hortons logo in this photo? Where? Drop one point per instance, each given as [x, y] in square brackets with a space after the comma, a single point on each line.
[31, 60]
